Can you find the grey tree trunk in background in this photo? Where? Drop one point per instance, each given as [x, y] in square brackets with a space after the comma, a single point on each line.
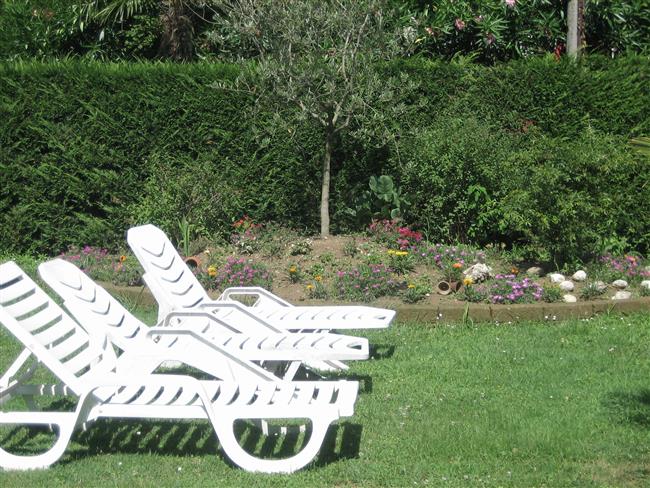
[575, 27]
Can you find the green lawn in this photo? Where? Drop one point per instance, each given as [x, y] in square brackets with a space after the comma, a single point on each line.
[534, 404]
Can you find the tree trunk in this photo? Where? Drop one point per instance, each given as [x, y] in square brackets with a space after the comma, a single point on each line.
[575, 24]
[325, 186]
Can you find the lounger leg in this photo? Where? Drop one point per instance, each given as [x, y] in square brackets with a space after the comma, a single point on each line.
[65, 422]
[225, 432]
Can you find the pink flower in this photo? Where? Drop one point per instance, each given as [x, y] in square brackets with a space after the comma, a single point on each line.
[460, 25]
[511, 3]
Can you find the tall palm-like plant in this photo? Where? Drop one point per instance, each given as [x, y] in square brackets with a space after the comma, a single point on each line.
[177, 31]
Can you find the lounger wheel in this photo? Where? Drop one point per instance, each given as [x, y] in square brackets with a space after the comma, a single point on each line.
[65, 426]
[248, 462]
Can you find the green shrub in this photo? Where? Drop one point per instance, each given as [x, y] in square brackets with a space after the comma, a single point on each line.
[519, 153]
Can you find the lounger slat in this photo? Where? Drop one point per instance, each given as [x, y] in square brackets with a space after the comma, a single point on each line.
[82, 360]
[15, 290]
[56, 331]
[166, 396]
[70, 345]
[29, 304]
[49, 315]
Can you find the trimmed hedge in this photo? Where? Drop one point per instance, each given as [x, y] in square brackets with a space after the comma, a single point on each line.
[88, 149]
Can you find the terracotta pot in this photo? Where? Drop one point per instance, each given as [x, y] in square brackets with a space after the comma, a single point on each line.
[193, 262]
[447, 287]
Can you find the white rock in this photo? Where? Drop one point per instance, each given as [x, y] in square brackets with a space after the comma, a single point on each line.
[600, 285]
[534, 271]
[645, 284]
[556, 277]
[567, 285]
[569, 298]
[478, 272]
[621, 284]
[622, 295]
[579, 275]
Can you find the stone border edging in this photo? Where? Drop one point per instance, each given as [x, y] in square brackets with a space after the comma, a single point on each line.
[516, 313]
[464, 311]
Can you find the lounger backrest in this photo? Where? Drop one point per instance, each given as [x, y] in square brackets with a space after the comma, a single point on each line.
[70, 283]
[167, 275]
[67, 349]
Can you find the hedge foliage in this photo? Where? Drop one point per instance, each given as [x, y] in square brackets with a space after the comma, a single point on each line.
[533, 153]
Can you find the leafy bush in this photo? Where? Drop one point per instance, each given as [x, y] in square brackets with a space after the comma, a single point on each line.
[532, 153]
[505, 29]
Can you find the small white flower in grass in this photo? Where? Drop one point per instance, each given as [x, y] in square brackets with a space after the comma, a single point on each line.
[611, 349]
[120, 463]
[179, 469]
[138, 433]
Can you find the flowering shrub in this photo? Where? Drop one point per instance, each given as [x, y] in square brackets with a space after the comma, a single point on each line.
[366, 282]
[384, 231]
[239, 272]
[627, 267]
[295, 273]
[414, 292]
[247, 235]
[504, 289]
[317, 289]
[401, 262]
[389, 233]
[507, 289]
[450, 260]
[300, 247]
[408, 239]
[100, 265]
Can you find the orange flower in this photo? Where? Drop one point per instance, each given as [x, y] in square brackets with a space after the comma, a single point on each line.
[456, 265]
[514, 270]
[122, 258]
[318, 278]
[212, 271]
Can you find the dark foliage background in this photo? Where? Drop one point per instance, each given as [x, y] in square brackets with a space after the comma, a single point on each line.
[532, 153]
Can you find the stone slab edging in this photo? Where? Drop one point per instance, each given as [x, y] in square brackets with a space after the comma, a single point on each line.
[456, 312]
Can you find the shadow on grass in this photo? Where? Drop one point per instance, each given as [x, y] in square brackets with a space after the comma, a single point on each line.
[192, 438]
[381, 351]
[629, 407]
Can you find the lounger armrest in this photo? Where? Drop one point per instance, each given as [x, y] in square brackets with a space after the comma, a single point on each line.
[166, 322]
[264, 296]
[215, 305]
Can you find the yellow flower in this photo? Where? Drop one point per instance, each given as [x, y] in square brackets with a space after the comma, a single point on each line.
[293, 269]
[122, 258]
[401, 253]
[310, 287]
[391, 252]
[514, 270]
[468, 281]
[318, 278]
[411, 285]
[212, 271]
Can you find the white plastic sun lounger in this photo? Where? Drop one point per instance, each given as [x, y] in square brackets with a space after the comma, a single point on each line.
[107, 386]
[176, 288]
[94, 306]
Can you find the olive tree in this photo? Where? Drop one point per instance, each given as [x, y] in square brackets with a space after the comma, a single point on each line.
[323, 56]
